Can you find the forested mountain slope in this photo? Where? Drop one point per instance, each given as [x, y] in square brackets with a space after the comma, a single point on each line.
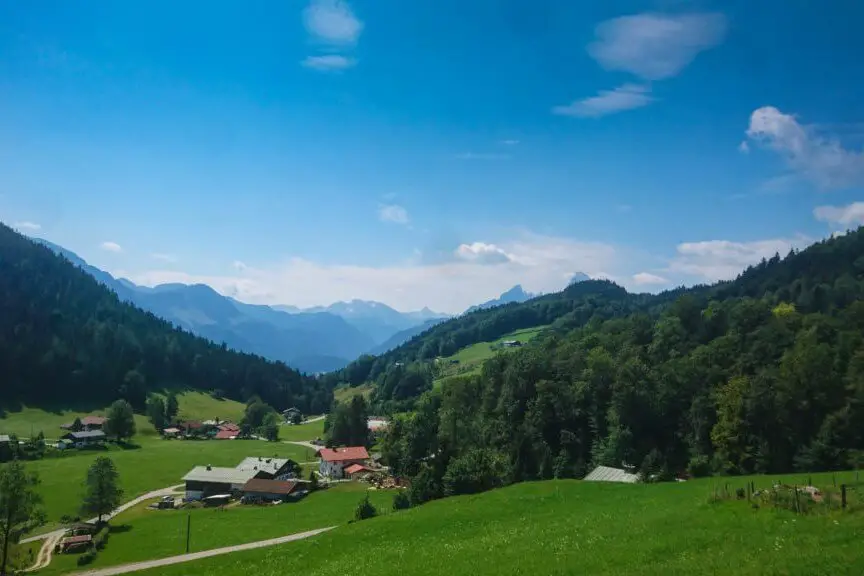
[762, 374]
[64, 336]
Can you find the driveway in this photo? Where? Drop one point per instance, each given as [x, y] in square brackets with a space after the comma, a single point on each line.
[199, 555]
[149, 496]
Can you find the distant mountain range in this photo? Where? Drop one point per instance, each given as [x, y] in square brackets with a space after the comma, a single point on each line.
[313, 340]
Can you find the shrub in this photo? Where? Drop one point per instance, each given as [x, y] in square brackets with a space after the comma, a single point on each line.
[699, 466]
[86, 558]
[101, 539]
[365, 509]
[401, 501]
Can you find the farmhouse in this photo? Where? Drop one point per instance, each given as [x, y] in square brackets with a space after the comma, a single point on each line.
[291, 413]
[88, 423]
[262, 490]
[607, 474]
[84, 439]
[268, 468]
[204, 481]
[511, 344]
[335, 460]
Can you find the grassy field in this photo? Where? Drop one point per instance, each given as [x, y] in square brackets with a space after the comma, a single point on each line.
[155, 464]
[470, 359]
[142, 534]
[22, 556]
[193, 406]
[302, 432]
[346, 393]
[571, 527]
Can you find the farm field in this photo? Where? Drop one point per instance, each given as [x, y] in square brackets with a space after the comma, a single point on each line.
[572, 527]
[141, 534]
[302, 432]
[470, 359]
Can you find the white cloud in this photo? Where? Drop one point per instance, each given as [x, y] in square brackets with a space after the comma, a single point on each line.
[646, 278]
[332, 22]
[328, 62]
[744, 147]
[714, 260]
[239, 266]
[393, 213]
[821, 159]
[625, 97]
[27, 226]
[111, 247]
[851, 215]
[482, 156]
[170, 258]
[655, 46]
[539, 263]
[482, 253]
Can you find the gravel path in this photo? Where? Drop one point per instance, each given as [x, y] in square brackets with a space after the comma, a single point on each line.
[199, 555]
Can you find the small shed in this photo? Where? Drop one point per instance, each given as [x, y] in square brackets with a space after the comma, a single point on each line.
[75, 542]
[356, 470]
[607, 474]
[171, 432]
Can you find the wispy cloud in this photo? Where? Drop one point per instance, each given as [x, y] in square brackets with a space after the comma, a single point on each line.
[170, 258]
[27, 226]
[744, 147]
[111, 247]
[821, 159]
[714, 260]
[850, 215]
[482, 156]
[655, 46]
[393, 213]
[625, 97]
[332, 22]
[646, 279]
[649, 46]
[328, 62]
[333, 25]
[510, 142]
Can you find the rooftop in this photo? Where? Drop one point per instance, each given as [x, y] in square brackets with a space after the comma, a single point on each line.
[93, 420]
[607, 474]
[219, 475]
[86, 435]
[4, 438]
[354, 468]
[342, 454]
[226, 434]
[266, 464]
[261, 486]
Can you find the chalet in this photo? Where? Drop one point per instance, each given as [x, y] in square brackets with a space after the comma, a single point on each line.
[291, 414]
[261, 490]
[607, 474]
[268, 468]
[205, 481]
[88, 423]
[334, 460]
[171, 432]
[193, 428]
[85, 439]
[227, 431]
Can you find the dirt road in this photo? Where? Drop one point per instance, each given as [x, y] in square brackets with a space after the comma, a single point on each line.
[199, 555]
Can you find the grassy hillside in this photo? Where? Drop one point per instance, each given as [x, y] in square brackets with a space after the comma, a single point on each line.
[142, 534]
[571, 527]
[470, 359]
[344, 394]
[193, 406]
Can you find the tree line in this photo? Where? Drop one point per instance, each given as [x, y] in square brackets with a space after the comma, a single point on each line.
[65, 337]
[764, 374]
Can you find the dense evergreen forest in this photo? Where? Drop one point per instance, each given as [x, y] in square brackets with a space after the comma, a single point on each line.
[761, 374]
[66, 338]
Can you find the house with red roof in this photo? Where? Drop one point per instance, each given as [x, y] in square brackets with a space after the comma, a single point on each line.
[334, 461]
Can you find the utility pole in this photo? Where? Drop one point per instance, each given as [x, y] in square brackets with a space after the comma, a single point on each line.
[188, 530]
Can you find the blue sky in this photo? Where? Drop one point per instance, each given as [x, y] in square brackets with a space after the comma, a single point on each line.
[429, 152]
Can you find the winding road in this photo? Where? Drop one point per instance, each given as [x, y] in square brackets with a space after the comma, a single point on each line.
[135, 567]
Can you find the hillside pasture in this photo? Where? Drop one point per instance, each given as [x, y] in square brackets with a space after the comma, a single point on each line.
[572, 527]
[469, 360]
[344, 394]
[141, 534]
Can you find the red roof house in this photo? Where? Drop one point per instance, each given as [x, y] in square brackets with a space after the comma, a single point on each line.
[226, 434]
[335, 460]
[356, 469]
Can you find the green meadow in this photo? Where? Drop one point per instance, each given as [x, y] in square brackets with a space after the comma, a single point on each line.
[469, 360]
[572, 527]
[141, 534]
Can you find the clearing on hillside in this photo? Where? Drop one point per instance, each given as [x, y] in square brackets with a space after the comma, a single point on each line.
[470, 359]
[572, 527]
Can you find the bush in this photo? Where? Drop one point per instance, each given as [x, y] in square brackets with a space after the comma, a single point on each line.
[401, 501]
[86, 558]
[101, 539]
[699, 466]
[365, 509]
